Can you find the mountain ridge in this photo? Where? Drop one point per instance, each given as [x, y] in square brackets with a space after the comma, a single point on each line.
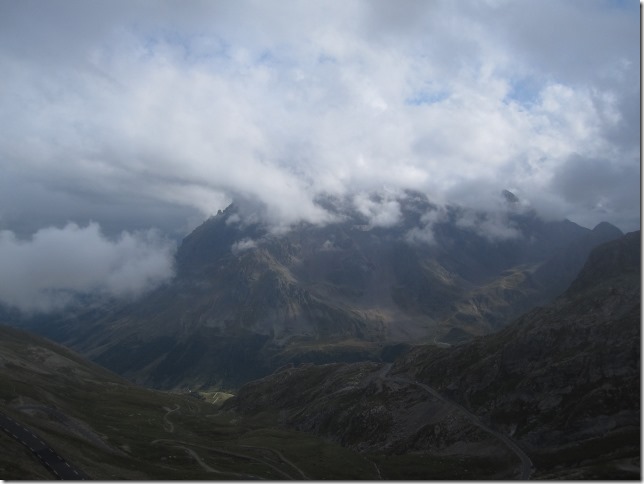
[561, 382]
[314, 291]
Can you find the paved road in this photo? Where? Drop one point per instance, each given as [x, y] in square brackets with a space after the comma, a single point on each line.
[47, 456]
[227, 453]
[526, 464]
[282, 457]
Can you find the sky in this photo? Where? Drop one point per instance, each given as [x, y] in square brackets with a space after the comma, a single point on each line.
[125, 124]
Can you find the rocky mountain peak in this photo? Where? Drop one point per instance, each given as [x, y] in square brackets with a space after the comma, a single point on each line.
[510, 197]
[620, 257]
[607, 230]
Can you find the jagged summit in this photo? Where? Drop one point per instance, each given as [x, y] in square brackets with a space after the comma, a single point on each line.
[510, 197]
[213, 240]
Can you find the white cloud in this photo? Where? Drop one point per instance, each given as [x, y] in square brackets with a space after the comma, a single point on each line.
[494, 226]
[328, 246]
[424, 233]
[381, 211]
[243, 245]
[56, 265]
[277, 103]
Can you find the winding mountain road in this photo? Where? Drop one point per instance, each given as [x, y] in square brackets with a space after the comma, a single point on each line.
[282, 457]
[167, 425]
[189, 446]
[47, 456]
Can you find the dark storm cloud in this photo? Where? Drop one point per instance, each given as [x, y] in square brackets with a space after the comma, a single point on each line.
[605, 190]
[29, 206]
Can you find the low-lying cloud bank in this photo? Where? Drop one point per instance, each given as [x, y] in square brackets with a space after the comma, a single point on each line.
[57, 265]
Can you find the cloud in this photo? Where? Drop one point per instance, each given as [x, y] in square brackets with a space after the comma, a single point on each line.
[243, 245]
[598, 189]
[424, 232]
[380, 211]
[55, 266]
[123, 111]
[494, 226]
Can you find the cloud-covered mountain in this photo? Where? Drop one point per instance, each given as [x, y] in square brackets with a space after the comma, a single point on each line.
[247, 299]
[138, 114]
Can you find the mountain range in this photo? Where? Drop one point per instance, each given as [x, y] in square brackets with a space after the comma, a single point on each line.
[247, 300]
[556, 394]
[418, 362]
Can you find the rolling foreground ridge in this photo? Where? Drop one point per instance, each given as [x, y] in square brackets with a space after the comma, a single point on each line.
[78, 420]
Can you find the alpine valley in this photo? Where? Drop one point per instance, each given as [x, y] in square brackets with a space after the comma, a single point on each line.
[449, 343]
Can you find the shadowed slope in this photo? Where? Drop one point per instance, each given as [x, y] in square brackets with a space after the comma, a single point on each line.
[562, 382]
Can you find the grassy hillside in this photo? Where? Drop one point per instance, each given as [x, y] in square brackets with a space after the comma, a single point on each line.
[111, 429]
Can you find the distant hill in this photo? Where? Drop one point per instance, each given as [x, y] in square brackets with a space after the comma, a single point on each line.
[246, 301]
[556, 394]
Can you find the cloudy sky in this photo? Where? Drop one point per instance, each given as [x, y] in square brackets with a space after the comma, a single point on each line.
[126, 123]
